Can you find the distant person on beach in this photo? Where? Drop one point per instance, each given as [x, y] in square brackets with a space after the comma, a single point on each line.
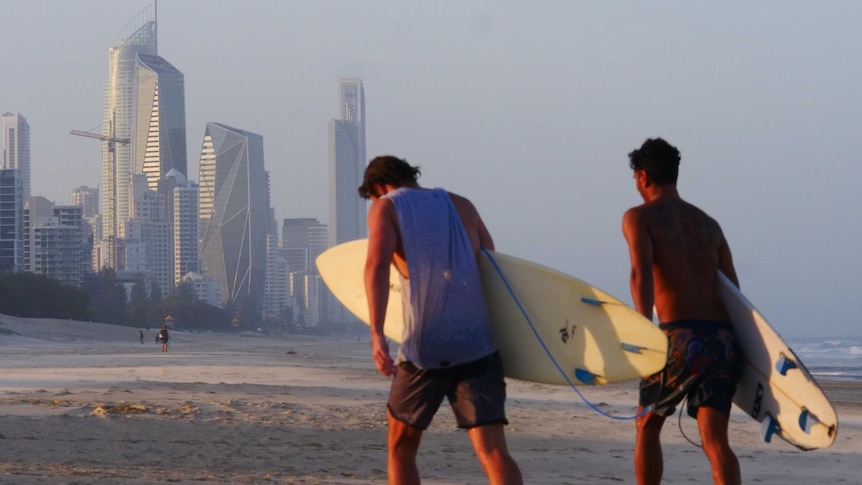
[142, 336]
[447, 348]
[676, 251]
[164, 337]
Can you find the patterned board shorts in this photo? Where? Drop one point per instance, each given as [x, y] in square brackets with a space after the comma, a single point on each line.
[703, 365]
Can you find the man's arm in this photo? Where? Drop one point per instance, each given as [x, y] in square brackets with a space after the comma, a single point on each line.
[641, 255]
[725, 262]
[485, 240]
[382, 241]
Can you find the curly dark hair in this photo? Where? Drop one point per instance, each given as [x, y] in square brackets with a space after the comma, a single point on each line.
[387, 169]
[659, 159]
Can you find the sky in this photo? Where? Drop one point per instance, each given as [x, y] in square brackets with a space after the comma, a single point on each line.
[527, 108]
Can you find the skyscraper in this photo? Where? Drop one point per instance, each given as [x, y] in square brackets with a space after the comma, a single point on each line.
[347, 211]
[138, 37]
[159, 141]
[11, 221]
[154, 233]
[233, 213]
[16, 148]
[88, 198]
[303, 240]
[304, 233]
[186, 226]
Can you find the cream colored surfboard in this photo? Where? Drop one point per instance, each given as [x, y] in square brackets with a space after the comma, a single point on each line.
[576, 333]
[776, 389]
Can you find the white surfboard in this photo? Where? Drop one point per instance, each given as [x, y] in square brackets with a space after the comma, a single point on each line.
[576, 333]
[775, 388]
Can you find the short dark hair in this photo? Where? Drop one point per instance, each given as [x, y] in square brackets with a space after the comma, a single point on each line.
[387, 169]
[659, 159]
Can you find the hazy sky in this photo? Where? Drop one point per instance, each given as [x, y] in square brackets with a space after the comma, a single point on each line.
[528, 108]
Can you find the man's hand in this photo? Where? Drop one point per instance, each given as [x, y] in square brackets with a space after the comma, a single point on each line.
[380, 352]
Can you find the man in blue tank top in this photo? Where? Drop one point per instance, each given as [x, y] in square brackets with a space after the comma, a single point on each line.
[447, 351]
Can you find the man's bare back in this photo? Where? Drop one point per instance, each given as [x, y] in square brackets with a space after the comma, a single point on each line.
[688, 249]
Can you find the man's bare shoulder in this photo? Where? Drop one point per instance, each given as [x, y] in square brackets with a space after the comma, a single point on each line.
[462, 203]
[636, 215]
[381, 210]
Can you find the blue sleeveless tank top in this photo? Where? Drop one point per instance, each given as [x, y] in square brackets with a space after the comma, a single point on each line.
[446, 319]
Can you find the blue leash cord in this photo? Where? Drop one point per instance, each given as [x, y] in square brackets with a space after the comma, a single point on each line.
[548, 352]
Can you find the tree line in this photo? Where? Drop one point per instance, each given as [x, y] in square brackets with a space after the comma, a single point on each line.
[103, 298]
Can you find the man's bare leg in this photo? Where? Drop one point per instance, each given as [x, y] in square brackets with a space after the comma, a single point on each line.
[489, 442]
[713, 432]
[403, 446]
[649, 462]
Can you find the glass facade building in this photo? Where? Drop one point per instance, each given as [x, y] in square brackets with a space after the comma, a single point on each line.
[234, 216]
[138, 37]
[11, 221]
[347, 211]
[159, 142]
[16, 147]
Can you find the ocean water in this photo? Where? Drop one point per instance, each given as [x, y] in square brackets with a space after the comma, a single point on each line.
[830, 359]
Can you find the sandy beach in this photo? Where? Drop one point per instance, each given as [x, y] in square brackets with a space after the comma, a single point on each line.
[84, 403]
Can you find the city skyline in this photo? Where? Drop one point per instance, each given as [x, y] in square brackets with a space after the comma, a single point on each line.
[529, 112]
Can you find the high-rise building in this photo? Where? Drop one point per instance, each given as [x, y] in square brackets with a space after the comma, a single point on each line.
[54, 242]
[186, 226]
[305, 233]
[347, 211]
[154, 232]
[35, 209]
[303, 240]
[88, 199]
[16, 147]
[11, 221]
[277, 295]
[159, 141]
[138, 37]
[234, 216]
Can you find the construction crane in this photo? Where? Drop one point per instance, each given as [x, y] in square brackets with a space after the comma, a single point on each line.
[112, 140]
[109, 202]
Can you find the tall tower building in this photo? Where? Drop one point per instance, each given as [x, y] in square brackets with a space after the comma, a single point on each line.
[347, 211]
[16, 147]
[153, 233]
[304, 239]
[186, 226]
[138, 37]
[308, 234]
[11, 221]
[159, 141]
[234, 216]
[88, 198]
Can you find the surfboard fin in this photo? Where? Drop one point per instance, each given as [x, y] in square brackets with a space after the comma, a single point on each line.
[784, 364]
[587, 377]
[768, 427]
[807, 421]
[635, 349]
[592, 301]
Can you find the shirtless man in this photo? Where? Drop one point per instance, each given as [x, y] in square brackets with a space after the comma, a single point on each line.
[447, 347]
[676, 251]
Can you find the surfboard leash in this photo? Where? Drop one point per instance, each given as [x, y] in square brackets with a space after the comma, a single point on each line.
[548, 352]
